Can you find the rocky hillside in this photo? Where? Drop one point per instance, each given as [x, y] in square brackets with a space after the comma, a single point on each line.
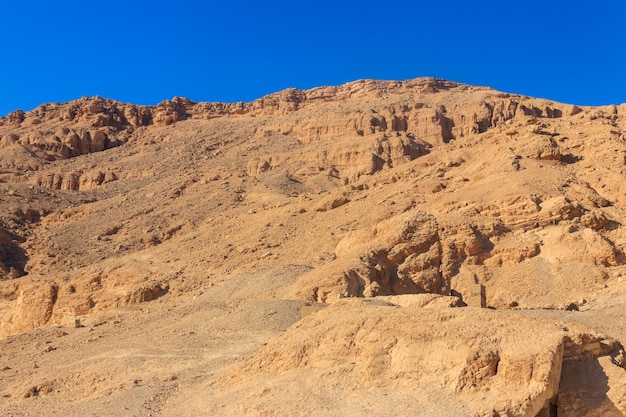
[373, 189]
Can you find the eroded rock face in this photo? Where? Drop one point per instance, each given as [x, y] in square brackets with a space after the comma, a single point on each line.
[425, 140]
[75, 181]
[169, 112]
[32, 308]
[400, 256]
[487, 362]
[415, 253]
[32, 303]
[351, 159]
[371, 189]
[391, 134]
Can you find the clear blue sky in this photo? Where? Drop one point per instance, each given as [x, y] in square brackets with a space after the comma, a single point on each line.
[217, 50]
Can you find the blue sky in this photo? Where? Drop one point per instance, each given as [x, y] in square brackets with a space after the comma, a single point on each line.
[217, 50]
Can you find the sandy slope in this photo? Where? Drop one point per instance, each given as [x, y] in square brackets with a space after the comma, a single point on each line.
[185, 239]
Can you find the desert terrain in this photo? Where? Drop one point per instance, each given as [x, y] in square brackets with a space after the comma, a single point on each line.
[409, 248]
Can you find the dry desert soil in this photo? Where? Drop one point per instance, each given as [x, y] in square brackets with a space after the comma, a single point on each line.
[414, 248]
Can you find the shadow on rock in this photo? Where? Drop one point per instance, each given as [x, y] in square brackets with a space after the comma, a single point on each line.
[13, 258]
[584, 388]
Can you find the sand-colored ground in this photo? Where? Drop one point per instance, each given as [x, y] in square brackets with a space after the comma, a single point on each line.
[154, 261]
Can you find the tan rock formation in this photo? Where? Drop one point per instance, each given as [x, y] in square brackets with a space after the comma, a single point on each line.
[177, 237]
[401, 255]
[486, 362]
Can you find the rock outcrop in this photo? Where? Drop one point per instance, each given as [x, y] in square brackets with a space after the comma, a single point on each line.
[401, 132]
[197, 224]
[33, 303]
[400, 256]
[482, 362]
